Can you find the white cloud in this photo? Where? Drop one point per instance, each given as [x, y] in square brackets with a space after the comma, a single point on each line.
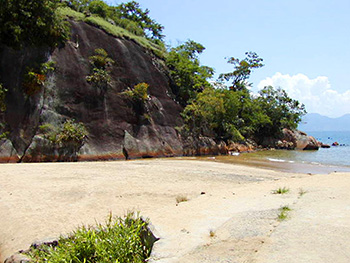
[317, 94]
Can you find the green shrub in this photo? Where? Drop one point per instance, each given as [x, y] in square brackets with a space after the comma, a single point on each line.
[33, 82]
[35, 77]
[100, 70]
[72, 135]
[101, 60]
[49, 132]
[120, 240]
[139, 92]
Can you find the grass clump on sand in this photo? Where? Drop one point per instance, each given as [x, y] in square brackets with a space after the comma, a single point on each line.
[120, 240]
[114, 30]
[283, 215]
[302, 192]
[181, 198]
[281, 191]
[212, 233]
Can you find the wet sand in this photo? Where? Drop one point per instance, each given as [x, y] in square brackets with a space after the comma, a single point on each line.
[230, 215]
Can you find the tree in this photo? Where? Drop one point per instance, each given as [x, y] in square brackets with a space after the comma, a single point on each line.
[29, 22]
[99, 8]
[283, 112]
[242, 70]
[186, 71]
[214, 113]
[78, 5]
[133, 12]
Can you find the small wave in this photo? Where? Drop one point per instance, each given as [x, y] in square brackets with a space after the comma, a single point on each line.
[276, 160]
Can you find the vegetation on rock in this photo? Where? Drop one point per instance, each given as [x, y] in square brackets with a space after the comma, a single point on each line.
[3, 92]
[100, 70]
[128, 15]
[72, 135]
[67, 139]
[139, 92]
[35, 78]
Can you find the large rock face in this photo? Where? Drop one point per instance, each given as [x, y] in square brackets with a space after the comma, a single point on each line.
[116, 129]
[291, 140]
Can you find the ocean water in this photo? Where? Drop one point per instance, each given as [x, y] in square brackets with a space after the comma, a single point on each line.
[322, 161]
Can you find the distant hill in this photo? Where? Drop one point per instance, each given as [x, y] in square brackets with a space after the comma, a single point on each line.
[317, 122]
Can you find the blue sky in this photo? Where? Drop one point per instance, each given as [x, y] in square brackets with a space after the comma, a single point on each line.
[305, 44]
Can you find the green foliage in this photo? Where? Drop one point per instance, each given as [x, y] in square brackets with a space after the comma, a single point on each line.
[232, 114]
[117, 30]
[283, 112]
[100, 75]
[133, 12]
[99, 78]
[215, 113]
[283, 213]
[50, 132]
[186, 71]
[101, 60]
[242, 70]
[99, 8]
[129, 16]
[120, 240]
[35, 78]
[31, 22]
[3, 92]
[78, 5]
[72, 135]
[281, 191]
[139, 93]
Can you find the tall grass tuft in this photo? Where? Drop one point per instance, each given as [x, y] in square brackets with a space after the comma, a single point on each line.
[119, 240]
[111, 29]
[281, 191]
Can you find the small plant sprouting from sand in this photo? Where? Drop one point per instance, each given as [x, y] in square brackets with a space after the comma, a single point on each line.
[181, 198]
[302, 192]
[281, 191]
[212, 233]
[283, 213]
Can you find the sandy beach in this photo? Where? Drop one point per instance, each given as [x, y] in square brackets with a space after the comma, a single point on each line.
[230, 215]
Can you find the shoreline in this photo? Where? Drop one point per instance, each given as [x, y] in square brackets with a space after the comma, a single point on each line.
[42, 200]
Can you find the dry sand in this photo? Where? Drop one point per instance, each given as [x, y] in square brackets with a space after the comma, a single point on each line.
[234, 221]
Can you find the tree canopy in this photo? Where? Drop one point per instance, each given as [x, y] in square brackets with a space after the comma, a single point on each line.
[234, 113]
[186, 71]
[242, 70]
[29, 22]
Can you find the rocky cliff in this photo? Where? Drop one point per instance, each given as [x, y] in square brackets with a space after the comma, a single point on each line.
[116, 130]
